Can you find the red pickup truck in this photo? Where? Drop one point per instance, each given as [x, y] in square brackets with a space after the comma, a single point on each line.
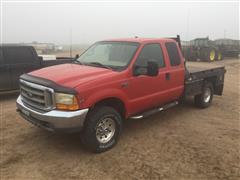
[112, 81]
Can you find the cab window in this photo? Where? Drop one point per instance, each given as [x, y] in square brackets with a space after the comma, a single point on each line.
[151, 52]
[173, 54]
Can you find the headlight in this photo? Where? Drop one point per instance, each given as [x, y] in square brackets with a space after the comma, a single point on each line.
[66, 101]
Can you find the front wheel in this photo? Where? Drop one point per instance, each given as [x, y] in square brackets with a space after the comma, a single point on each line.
[102, 129]
[204, 99]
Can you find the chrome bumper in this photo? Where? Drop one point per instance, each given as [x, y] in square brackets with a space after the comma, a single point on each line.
[53, 120]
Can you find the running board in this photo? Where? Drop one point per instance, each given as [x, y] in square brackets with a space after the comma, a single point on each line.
[153, 111]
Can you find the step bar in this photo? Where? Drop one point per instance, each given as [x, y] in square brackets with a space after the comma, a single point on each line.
[153, 111]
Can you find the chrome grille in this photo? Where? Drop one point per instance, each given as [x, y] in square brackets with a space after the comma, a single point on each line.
[37, 96]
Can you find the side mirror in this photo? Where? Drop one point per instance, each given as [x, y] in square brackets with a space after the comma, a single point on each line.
[152, 68]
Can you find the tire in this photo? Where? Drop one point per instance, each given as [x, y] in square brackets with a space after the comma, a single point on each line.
[193, 57]
[204, 100]
[190, 55]
[101, 122]
[211, 54]
[219, 56]
[202, 54]
[187, 54]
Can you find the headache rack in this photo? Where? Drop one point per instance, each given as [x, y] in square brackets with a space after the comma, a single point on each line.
[36, 96]
[178, 40]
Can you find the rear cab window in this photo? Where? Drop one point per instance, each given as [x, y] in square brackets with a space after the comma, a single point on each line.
[18, 55]
[151, 52]
[173, 54]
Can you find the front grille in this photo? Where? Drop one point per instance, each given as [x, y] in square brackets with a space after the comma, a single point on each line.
[37, 96]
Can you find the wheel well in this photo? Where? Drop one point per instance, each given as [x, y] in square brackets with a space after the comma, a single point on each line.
[115, 103]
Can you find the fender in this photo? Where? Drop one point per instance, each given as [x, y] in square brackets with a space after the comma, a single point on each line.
[95, 97]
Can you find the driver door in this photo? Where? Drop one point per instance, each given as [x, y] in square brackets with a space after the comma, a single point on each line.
[146, 92]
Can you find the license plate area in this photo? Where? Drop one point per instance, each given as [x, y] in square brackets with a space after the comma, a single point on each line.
[25, 112]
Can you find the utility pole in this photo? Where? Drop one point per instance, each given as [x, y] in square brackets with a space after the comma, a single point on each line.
[188, 14]
[71, 42]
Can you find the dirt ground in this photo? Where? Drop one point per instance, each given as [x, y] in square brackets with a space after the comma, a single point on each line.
[180, 143]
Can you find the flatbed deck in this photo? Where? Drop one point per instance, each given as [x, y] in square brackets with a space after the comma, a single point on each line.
[204, 71]
[196, 68]
[196, 76]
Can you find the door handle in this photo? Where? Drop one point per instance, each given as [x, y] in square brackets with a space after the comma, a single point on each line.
[167, 76]
[124, 84]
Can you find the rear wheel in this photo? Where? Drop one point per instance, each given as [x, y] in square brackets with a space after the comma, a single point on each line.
[102, 129]
[203, 54]
[204, 99]
[191, 55]
[211, 55]
[207, 54]
[219, 56]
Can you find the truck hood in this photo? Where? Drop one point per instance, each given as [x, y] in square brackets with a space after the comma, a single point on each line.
[72, 75]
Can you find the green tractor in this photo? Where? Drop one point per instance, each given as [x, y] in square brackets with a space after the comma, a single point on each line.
[229, 47]
[203, 49]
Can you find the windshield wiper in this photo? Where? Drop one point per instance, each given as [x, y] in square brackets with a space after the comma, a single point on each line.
[77, 62]
[98, 64]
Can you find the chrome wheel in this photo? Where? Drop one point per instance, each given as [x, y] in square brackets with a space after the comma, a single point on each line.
[207, 95]
[105, 129]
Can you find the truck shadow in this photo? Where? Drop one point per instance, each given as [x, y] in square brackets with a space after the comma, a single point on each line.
[72, 143]
[165, 117]
[6, 96]
[61, 142]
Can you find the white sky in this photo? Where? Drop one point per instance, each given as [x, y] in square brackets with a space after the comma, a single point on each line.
[92, 21]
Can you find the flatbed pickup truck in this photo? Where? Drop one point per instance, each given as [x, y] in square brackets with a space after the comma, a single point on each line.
[18, 59]
[113, 81]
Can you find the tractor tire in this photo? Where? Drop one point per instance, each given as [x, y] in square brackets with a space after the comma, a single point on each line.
[190, 55]
[193, 57]
[219, 56]
[210, 54]
[203, 54]
[187, 54]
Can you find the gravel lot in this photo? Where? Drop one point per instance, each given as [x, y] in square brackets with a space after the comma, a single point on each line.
[181, 143]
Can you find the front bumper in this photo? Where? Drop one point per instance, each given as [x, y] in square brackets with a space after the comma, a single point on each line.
[68, 121]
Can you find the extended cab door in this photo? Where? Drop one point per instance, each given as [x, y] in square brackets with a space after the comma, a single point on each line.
[145, 91]
[176, 71]
[5, 81]
[21, 59]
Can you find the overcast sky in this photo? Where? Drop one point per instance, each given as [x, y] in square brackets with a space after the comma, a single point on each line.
[89, 22]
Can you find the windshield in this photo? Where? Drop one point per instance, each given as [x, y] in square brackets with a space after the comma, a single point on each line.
[115, 55]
